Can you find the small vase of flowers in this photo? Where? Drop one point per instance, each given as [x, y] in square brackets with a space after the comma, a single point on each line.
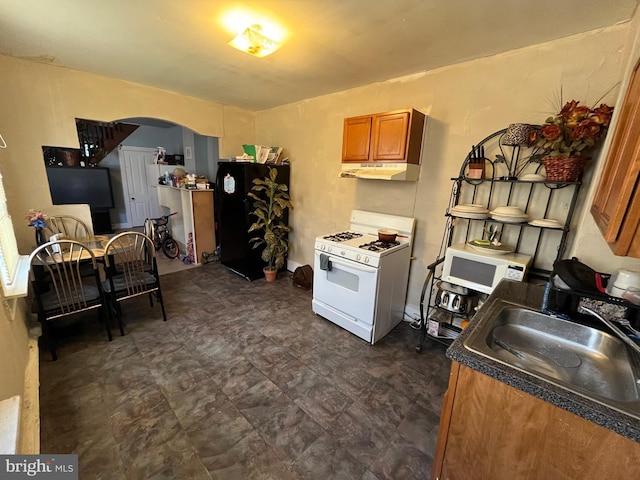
[568, 138]
[37, 219]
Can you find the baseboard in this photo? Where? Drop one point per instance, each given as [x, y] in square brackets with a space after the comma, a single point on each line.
[411, 313]
[29, 437]
[291, 265]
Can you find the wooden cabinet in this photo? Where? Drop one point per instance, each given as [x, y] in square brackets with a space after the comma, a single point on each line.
[203, 222]
[383, 137]
[195, 217]
[356, 139]
[489, 430]
[616, 205]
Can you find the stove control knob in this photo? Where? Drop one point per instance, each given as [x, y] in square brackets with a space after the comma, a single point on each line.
[343, 253]
[358, 257]
[328, 249]
[321, 247]
[366, 259]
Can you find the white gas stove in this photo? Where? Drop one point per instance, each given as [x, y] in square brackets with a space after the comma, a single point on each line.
[359, 282]
[359, 247]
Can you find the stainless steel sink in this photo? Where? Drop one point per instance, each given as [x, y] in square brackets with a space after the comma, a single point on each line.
[583, 360]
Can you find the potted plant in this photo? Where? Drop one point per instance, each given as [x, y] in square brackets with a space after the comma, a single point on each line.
[270, 202]
[569, 136]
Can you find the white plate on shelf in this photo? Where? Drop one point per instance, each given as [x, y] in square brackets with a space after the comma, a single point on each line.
[546, 222]
[510, 218]
[508, 211]
[474, 216]
[532, 177]
[471, 208]
[494, 249]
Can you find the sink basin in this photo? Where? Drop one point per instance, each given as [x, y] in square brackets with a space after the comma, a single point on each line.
[578, 358]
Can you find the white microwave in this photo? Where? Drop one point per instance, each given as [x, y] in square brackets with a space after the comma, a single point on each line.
[480, 271]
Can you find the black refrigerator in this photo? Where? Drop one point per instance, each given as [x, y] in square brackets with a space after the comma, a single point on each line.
[233, 182]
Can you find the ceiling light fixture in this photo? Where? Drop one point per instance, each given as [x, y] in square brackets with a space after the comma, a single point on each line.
[253, 42]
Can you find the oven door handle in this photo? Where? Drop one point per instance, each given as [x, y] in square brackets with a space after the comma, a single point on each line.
[354, 265]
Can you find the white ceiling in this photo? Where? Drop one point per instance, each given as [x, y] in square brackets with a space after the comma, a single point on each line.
[332, 45]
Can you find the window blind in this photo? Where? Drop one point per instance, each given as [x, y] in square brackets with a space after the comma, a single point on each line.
[9, 256]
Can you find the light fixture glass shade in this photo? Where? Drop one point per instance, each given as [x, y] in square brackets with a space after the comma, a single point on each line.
[254, 43]
[517, 134]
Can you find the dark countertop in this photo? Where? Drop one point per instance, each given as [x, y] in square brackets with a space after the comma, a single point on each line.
[530, 296]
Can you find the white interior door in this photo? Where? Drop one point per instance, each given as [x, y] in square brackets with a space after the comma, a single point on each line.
[140, 200]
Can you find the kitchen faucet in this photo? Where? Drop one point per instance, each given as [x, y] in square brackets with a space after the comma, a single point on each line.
[612, 326]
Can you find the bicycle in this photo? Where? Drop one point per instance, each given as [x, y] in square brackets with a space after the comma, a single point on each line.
[158, 230]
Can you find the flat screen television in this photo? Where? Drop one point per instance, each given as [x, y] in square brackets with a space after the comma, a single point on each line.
[91, 185]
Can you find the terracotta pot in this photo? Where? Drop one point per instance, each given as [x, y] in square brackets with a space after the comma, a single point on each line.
[386, 235]
[270, 275]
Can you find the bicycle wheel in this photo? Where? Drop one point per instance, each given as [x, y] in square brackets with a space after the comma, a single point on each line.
[170, 247]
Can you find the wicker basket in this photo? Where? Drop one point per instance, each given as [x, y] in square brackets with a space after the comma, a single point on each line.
[564, 169]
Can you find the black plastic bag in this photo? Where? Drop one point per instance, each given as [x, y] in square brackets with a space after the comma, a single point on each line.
[571, 274]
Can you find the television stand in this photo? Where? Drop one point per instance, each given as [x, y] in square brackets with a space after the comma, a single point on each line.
[101, 221]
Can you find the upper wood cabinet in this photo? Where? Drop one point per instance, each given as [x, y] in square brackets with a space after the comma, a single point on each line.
[616, 205]
[383, 137]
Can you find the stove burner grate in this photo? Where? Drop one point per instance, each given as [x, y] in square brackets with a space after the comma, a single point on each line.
[378, 246]
[342, 236]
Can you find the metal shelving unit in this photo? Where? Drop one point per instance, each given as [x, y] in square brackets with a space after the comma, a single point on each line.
[500, 186]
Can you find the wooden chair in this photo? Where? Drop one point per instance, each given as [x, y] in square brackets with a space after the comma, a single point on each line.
[61, 287]
[67, 226]
[131, 270]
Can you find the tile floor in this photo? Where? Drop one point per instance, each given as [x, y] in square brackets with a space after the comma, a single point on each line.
[242, 382]
[170, 265]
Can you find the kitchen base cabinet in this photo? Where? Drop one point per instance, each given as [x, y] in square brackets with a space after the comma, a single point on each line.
[489, 430]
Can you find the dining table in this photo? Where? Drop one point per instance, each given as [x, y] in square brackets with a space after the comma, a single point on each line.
[95, 243]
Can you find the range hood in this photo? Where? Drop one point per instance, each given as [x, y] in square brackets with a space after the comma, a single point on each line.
[381, 171]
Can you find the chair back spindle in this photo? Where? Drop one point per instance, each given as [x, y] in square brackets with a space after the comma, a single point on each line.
[67, 226]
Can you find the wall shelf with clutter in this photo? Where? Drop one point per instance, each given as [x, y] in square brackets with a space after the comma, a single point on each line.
[501, 203]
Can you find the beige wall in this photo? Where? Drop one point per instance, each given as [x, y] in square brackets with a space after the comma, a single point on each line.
[238, 129]
[41, 102]
[465, 103]
[39, 106]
